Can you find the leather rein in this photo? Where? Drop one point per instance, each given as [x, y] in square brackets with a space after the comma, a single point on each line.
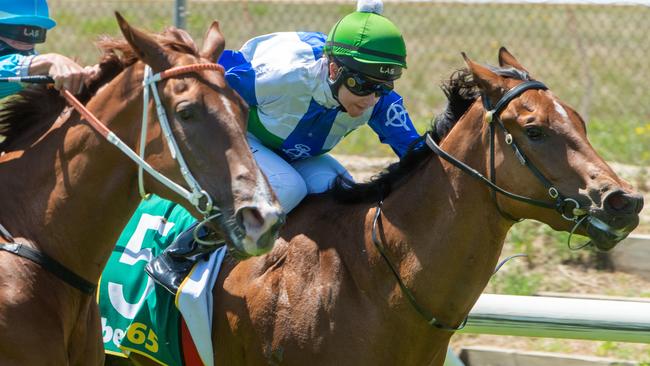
[561, 203]
[198, 197]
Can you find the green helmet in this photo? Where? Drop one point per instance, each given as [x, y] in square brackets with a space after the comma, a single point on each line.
[368, 43]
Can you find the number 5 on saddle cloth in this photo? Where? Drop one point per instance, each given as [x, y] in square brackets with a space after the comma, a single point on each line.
[138, 316]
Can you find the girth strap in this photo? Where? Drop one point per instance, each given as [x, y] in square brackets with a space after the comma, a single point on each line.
[51, 265]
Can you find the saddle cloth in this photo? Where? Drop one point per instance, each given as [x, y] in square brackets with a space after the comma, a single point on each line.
[138, 316]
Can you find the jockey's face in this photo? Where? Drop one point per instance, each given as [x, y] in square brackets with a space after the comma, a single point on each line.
[354, 104]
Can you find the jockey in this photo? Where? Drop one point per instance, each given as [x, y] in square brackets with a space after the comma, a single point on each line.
[306, 91]
[23, 24]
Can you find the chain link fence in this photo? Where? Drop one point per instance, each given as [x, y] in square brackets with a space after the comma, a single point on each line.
[595, 57]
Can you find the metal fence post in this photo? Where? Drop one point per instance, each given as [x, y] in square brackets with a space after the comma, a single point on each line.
[180, 14]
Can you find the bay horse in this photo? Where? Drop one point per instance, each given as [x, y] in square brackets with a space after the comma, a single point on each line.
[67, 193]
[382, 273]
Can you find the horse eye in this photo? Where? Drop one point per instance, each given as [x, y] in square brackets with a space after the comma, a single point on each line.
[184, 111]
[534, 133]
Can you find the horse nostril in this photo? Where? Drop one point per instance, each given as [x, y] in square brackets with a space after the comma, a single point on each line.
[250, 218]
[623, 203]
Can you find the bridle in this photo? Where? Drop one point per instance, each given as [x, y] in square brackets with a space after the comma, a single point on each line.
[197, 193]
[561, 203]
[197, 197]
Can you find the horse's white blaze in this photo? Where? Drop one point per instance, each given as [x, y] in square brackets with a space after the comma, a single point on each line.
[226, 104]
[560, 110]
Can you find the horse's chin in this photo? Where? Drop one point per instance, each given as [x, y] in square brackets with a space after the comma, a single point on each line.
[603, 236]
[250, 247]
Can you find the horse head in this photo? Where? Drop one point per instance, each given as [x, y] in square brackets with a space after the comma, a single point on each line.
[208, 120]
[543, 142]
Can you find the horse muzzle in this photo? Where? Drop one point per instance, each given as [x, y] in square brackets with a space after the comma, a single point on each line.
[261, 226]
[607, 226]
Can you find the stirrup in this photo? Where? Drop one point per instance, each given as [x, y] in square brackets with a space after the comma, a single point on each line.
[173, 265]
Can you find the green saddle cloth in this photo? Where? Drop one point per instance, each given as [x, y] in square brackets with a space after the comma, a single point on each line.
[137, 316]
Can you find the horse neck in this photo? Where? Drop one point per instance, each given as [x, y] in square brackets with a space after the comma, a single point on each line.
[443, 227]
[72, 192]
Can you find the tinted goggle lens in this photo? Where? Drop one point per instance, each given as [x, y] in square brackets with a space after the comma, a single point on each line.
[23, 33]
[361, 86]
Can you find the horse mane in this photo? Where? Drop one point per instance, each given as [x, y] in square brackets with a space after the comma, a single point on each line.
[461, 92]
[34, 109]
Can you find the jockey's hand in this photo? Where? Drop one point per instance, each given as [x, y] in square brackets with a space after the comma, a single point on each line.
[66, 73]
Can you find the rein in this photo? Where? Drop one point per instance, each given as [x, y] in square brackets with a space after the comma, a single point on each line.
[198, 197]
[561, 203]
[427, 315]
[576, 214]
[492, 117]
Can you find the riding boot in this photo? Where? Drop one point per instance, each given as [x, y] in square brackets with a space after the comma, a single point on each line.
[171, 267]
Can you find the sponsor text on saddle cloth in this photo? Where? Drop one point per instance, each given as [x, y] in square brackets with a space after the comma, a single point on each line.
[139, 317]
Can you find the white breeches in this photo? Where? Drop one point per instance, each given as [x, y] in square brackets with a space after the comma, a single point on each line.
[292, 181]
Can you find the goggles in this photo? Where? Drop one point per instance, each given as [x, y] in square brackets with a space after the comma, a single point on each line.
[361, 86]
[23, 33]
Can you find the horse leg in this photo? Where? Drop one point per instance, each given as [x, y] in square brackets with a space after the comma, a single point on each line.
[85, 344]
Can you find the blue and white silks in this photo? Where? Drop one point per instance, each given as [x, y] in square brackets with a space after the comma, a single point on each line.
[283, 77]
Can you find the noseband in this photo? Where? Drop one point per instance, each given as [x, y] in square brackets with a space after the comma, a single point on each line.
[561, 204]
[198, 197]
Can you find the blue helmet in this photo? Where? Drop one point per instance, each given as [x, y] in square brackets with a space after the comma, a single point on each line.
[34, 13]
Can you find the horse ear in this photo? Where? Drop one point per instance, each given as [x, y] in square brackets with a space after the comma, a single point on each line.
[214, 43]
[506, 59]
[144, 46]
[180, 35]
[487, 80]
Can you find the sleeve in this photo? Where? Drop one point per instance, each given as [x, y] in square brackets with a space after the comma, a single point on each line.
[10, 66]
[240, 75]
[392, 123]
[15, 65]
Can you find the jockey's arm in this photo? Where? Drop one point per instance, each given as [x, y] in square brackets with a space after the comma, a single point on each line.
[65, 72]
[392, 123]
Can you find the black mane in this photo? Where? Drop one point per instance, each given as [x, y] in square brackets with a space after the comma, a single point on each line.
[34, 109]
[461, 92]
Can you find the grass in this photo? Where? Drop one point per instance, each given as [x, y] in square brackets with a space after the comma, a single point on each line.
[593, 57]
[547, 252]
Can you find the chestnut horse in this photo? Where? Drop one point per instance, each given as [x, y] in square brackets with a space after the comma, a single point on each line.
[353, 282]
[67, 193]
